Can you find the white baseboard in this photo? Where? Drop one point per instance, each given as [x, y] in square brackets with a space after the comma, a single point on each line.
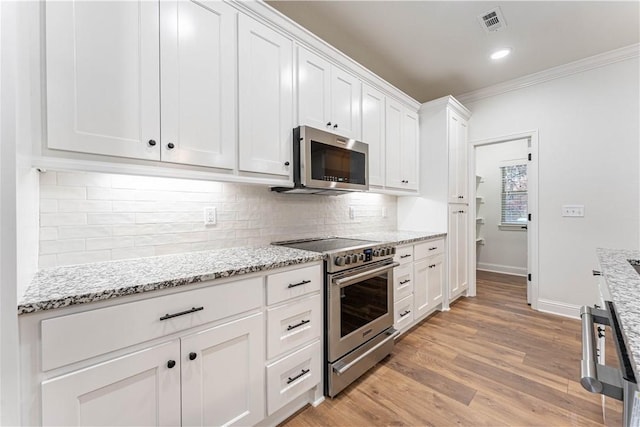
[505, 269]
[560, 308]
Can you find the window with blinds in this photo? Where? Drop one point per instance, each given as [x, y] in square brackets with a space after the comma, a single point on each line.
[514, 194]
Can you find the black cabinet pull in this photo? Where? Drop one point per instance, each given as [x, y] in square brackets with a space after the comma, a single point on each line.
[328, 123]
[182, 313]
[171, 364]
[152, 143]
[460, 211]
[286, 163]
[432, 266]
[433, 248]
[405, 313]
[335, 126]
[304, 371]
[596, 272]
[297, 325]
[460, 197]
[405, 281]
[600, 332]
[293, 285]
[170, 146]
[405, 256]
[192, 356]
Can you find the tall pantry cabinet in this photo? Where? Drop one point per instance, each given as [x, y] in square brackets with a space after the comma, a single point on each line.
[443, 204]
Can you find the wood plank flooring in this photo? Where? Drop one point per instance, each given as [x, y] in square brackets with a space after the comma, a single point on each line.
[490, 361]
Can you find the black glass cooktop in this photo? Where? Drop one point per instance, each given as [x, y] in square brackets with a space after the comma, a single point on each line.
[330, 244]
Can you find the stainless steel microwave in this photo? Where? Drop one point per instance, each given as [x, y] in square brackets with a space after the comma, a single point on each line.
[326, 163]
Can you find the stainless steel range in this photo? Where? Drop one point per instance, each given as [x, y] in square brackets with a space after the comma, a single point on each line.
[358, 306]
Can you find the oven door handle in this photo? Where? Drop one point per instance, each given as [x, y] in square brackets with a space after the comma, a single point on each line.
[344, 368]
[346, 281]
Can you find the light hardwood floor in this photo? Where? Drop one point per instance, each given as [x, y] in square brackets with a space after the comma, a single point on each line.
[489, 361]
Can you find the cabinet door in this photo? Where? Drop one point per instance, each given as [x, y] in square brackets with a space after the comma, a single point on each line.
[198, 83]
[409, 150]
[373, 132]
[223, 374]
[102, 62]
[137, 389]
[314, 90]
[345, 104]
[458, 174]
[458, 257]
[266, 99]
[435, 280]
[421, 287]
[393, 143]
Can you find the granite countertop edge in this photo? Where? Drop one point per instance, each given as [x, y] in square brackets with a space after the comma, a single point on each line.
[52, 288]
[623, 284]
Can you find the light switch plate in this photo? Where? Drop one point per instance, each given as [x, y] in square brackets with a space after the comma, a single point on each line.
[352, 212]
[573, 210]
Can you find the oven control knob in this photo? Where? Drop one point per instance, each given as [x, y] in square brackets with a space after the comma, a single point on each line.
[339, 261]
[376, 252]
[347, 259]
[361, 257]
[355, 258]
[388, 251]
[393, 250]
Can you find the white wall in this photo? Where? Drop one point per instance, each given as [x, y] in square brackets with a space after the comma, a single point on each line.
[588, 154]
[90, 217]
[504, 250]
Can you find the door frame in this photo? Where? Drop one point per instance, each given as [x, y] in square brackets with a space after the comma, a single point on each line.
[532, 193]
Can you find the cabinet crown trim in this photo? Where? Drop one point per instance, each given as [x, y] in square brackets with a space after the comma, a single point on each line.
[446, 102]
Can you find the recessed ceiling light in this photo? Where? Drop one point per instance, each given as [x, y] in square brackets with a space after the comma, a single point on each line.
[500, 53]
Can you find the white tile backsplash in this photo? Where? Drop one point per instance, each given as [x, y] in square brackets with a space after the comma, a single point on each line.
[92, 217]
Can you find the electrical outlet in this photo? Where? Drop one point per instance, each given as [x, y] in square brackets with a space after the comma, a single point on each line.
[573, 210]
[352, 212]
[210, 215]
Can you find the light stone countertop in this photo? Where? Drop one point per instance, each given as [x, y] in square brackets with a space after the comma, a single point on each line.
[398, 237]
[623, 284]
[78, 284]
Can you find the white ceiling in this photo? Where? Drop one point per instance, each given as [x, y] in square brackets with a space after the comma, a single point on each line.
[434, 48]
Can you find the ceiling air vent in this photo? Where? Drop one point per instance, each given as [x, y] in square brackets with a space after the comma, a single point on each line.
[492, 20]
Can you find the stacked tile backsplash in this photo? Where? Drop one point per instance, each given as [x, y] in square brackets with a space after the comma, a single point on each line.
[92, 217]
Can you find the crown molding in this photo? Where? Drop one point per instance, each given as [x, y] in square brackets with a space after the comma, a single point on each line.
[446, 101]
[596, 61]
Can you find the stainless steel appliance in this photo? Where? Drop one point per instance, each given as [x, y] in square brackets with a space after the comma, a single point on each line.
[620, 383]
[325, 163]
[358, 306]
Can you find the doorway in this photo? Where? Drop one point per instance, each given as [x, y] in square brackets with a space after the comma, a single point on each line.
[504, 196]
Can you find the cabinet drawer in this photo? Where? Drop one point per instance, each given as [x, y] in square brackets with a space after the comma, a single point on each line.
[291, 376]
[293, 324]
[404, 254]
[69, 339]
[432, 247]
[403, 313]
[402, 281]
[294, 283]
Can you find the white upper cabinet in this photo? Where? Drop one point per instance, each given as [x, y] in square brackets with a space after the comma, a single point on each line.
[458, 170]
[198, 120]
[265, 99]
[373, 132]
[401, 147]
[328, 97]
[102, 63]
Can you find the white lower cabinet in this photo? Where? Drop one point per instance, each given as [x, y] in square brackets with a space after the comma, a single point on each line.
[222, 375]
[141, 389]
[201, 357]
[418, 282]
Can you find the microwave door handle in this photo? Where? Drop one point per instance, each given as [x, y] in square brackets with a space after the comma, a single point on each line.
[346, 281]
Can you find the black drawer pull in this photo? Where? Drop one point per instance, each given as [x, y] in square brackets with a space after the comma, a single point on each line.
[304, 371]
[297, 325]
[596, 272]
[402, 282]
[432, 266]
[293, 285]
[405, 313]
[433, 248]
[182, 313]
[405, 256]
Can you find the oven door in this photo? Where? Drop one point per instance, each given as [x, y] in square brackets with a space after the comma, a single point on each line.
[360, 306]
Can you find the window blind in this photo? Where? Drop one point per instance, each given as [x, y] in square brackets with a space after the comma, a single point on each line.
[514, 194]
